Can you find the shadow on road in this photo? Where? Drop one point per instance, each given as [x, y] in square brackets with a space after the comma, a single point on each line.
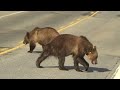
[37, 52]
[91, 69]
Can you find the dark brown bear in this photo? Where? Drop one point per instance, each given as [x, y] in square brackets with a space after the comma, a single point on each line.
[66, 44]
[41, 36]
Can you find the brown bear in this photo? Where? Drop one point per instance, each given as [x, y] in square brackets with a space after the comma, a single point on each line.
[66, 44]
[41, 36]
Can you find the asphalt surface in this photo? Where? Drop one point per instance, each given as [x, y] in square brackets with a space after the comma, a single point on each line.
[102, 30]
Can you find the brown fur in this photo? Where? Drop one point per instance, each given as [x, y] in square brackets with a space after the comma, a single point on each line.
[40, 35]
[66, 44]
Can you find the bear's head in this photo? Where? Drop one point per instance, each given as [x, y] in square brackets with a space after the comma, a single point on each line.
[93, 55]
[26, 38]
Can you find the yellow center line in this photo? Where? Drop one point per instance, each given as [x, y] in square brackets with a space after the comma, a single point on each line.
[3, 49]
[72, 24]
[12, 49]
[60, 30]
[77, 21]
[20, 42]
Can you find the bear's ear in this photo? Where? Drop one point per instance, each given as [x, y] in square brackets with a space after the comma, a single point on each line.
[36, 28]
[28, 35]
[94, 47]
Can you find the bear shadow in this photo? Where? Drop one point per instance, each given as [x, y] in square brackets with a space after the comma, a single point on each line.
[37, 52]
[90, 69]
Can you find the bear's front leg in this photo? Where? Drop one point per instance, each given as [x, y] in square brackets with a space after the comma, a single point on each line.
[32, 47]
[40, 59]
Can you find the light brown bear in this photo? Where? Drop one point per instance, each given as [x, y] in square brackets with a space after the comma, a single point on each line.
[39, 35]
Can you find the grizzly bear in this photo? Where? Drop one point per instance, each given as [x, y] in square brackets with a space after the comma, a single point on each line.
[67, 44]
[41, 36]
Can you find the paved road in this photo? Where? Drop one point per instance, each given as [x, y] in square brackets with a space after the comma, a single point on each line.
[101, 29]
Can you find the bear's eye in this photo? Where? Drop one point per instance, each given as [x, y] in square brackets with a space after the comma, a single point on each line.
[90, 52]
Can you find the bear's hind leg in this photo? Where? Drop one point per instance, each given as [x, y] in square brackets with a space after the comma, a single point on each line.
[61, 63]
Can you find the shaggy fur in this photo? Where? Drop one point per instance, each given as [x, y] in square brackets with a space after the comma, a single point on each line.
[65, 45]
